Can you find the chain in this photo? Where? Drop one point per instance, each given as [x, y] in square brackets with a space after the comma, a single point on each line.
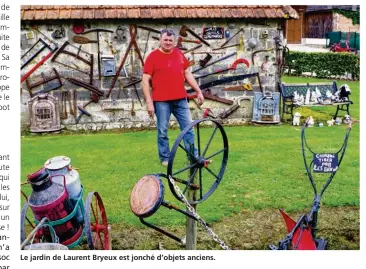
[210, 232]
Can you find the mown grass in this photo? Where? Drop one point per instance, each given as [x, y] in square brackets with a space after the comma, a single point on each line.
[265, 168]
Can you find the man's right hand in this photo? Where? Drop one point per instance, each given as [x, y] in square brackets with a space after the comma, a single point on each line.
[150, 108]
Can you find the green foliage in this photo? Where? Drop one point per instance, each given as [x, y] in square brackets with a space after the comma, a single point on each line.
[354, 15]
[324, 65]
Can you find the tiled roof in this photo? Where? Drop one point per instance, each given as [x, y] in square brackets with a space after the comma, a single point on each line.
[40, 12]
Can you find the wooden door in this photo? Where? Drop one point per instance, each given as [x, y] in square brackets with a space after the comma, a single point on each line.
[294, 30]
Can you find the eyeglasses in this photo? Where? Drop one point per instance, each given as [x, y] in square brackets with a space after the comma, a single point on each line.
[169, 32]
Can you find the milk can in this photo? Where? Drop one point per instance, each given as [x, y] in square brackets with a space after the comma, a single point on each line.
[60, 166]
[51, 200]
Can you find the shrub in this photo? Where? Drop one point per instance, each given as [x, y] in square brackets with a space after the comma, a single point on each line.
[324, 65]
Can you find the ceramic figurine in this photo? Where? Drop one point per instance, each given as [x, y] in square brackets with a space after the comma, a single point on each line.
[310, 122]
[320, 124]
[307, 97]
[296, 119]
[330, 122]
[347, 119]
[338, 121]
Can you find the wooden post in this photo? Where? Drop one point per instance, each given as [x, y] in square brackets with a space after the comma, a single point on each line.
[191, 225]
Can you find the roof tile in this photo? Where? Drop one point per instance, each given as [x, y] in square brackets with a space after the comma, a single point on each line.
[35, 12]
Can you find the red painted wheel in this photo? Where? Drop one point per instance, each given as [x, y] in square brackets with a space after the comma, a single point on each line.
[96, 222]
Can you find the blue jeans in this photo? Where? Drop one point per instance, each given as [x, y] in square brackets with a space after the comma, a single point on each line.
[180, 109]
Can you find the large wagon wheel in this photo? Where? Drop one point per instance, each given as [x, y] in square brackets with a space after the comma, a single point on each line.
[208, 162]
[96, 222]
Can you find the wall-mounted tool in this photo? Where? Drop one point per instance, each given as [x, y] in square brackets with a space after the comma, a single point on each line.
[82, 113]
[228, 46]
[82, 40]
[205, 52]
[85, 86]
[183, 32]
[232, 67]
[228, 112]
[32, 53]
[252, 42]
[205, 60]
[227, 41]
[208, 95]
[192, 49]
[79, 57]
[60, 33]
[133, 33]
[66, 98]
[258, 51]
[48, 82]
[216, 61]
[44, 59]
[109, 65]
[98, 30]
[227, 80]
[78, 28]
[121, 34]
[264, 34]
[243, 87]
[148, 36]
[109, 44]
[181, 40]
[94, 98]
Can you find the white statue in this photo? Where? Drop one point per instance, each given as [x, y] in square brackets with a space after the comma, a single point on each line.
[310, 122]
[296, 119]
[307, 97]
[330, 122]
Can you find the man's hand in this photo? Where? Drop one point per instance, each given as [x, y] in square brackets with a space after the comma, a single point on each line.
[200, 98]
[150, 108]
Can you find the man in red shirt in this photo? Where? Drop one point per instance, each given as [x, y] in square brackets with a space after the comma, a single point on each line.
[167, 70]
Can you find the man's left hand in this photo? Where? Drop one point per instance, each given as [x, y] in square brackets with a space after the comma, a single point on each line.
[200, 98]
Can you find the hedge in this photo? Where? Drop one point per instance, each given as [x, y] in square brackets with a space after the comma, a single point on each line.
[324, 65]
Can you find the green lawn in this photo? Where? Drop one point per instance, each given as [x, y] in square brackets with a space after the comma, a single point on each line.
[265, 167]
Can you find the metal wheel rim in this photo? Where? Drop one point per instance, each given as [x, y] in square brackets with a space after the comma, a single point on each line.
[225, 151]
[100, 224]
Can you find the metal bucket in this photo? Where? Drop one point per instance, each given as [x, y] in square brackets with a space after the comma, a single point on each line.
[46, 246]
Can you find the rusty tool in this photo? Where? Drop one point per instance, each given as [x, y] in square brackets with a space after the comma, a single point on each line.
[82, 112]
[258, 51]
[148, 29]
[94, 98]
[133, 33]
[226, 113]
[49, 82]
[181, 40]
[85, 86]
[113, 50]
[183, 32]
[218, 60]
[205, 52]
[232, 67]
[79, 56]
[208, 95]
[82, 40]
[243, 87]
[132, 74]
[229, 46]
[205, 60]
[227, 41]
[98, 30]
[192, 49]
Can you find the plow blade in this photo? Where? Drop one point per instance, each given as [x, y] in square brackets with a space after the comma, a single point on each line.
[302, 238]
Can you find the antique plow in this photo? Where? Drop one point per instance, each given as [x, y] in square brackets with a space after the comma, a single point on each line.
[302, 235]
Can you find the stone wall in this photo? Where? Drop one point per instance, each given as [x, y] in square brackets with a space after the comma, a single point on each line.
[122, 108]
[344, 24]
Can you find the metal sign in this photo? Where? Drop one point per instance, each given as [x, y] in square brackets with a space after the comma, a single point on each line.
[325, 163]
[213, 33]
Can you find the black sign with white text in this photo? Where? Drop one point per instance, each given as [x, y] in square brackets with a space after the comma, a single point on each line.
[325, 163]
[213, 33]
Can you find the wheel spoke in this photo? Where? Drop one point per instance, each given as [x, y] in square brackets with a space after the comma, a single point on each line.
[198, 139]
[216, 153]
[182, 147]
[212, 173]
[184, 169]
[190, 180]
[94, 213]
[209, 141]
[200, 180]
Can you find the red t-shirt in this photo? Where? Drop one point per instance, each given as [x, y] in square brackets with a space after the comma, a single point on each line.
[167, 74]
